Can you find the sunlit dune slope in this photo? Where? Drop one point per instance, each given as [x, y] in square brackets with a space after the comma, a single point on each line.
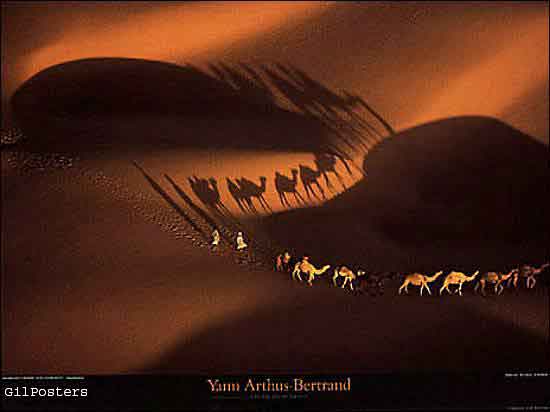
[416, 61]
[182, 121]
[464, 192]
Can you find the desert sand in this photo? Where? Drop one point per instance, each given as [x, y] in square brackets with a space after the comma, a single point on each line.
[106, 264]
[102, 275]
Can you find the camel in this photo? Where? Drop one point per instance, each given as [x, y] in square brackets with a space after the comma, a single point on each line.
[309, 178]
[348, 276]
[251, 189]
[208, 193]
[493, 277]
[285, 185]
[456, 278]
[327, 100]
[418, 279]
[235, 190]
[202, 189]
[305, 267]
[282, 262]
[373, 284]
[528, 273]
[215, 196]
[246, 196]
[326, 163]
[354, 100]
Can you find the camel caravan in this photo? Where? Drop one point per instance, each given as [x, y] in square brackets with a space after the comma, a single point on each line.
[453, 279]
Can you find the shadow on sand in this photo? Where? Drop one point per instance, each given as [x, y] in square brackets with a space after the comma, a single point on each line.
[157, 188]
[91, 104]
[459, 192]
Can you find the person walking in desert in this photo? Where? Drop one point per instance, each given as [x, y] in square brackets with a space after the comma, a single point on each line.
[240, 241]
[282, 262]
[215, 238]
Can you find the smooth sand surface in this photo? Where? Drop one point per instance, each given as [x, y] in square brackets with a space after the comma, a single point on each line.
[101, 275]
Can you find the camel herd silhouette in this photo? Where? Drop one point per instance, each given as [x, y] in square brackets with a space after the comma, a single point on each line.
[347, 119]
[359, 281]
[344, 119]
[348, 132]
[249, 195]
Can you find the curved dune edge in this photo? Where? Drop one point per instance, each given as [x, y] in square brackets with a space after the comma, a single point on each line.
[449, 59]
[143, 305]
[424, 202]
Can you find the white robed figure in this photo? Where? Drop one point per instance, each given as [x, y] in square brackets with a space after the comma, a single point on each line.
[240, 241]
[215, 238]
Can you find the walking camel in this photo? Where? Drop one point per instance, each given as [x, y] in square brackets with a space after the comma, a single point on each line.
[332, 102]
[215, 196]
[284, 185]
[201, 188]
[418, 279]
[326, 163]
[208, 193]
[309, 178]
[373, 284]
[456, 278]
[246, 196]
[348, 276]
[240, 198]
[251, 190]
[282, 262]
[528, 273]
[495, 278]
[305, 267]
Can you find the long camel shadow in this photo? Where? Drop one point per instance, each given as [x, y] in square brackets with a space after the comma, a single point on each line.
[199, 211]
[198, 108]
[244, 191]
[207, 191]
[251, 190]
[264, 247]
[227, 219]
[329, 107]
[326, 164]
[171, 202]
[285, 185]
[243, 202]
[312, 100]
[303, 103]
[423, 186]
[309, 178]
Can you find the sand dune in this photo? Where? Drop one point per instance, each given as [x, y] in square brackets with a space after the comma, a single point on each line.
[131, 30]
[229, 123]
[106, 266]
[105, 102]
[103, 290]
[465, 192]
[415, 62]
[134, 297]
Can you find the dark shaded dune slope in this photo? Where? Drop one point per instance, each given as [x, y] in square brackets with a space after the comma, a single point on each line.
[376, 339]
[106, 102]
[466, 192]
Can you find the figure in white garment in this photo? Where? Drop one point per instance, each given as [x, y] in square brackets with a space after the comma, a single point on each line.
[215, 238]
[240, 241]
